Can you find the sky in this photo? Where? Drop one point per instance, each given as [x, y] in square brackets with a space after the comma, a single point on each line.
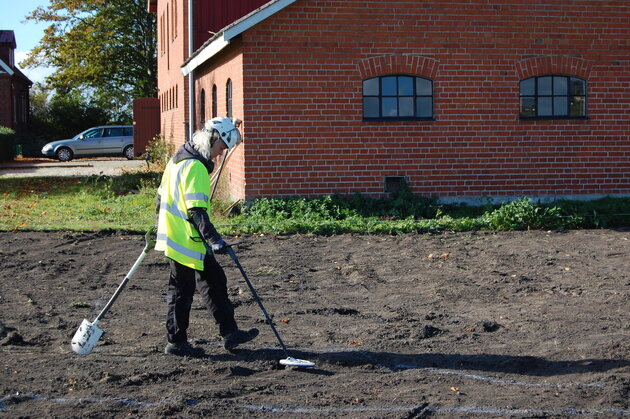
[27, 34]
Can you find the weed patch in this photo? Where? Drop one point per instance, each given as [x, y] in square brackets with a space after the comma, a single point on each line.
[127, 202]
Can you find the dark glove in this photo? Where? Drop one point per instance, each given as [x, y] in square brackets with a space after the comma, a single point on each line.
[219, 246]
[200, 220]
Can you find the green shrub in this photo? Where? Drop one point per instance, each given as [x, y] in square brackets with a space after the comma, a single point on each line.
[7, 143]
[606, 212]
[159, 151]
[523, 215]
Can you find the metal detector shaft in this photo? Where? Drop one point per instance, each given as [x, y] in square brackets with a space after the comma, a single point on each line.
[216, 182]
[251, 288]
[150, 244]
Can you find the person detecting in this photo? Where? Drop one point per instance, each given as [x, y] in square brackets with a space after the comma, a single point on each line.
[184, 233]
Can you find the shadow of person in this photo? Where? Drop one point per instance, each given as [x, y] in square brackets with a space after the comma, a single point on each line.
[497, 363]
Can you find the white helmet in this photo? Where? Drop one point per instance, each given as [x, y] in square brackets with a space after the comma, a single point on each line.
[227, 129]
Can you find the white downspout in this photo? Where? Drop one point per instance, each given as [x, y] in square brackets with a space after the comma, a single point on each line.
[191, 76]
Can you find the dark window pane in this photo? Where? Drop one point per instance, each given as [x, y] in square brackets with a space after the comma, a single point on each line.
[423, 87]
[544, 106]
[214, 101]
[405, 86]
[228, 97]
[544, 85]
[424, 107]
[560, 85]
[528, 87]
[577, 87]
[113, 132]
[559, 96]
[370, 87]
[370, 107]
[397, 97]
[389, 107]
[560, 106]
[578, 106]
[128, 132]
[405, 106]
[528, 106]
[202, 106]
[389, 86]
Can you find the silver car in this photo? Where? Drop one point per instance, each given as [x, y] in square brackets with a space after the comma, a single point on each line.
[111, 140]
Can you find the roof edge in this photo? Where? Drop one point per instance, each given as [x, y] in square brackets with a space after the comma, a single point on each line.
[6, 67]
[222, 38]
[21, 75]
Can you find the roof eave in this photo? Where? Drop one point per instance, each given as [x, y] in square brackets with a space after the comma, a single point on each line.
[6, 68]
[223, 38]
[204, 53]
[23, 76]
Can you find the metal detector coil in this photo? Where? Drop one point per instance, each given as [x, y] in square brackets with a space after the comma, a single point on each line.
[289, 360]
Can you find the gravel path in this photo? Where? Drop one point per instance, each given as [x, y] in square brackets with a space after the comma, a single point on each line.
[80, 167]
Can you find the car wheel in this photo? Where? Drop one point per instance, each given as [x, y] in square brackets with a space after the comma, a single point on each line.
[128, 152]
[64, 154]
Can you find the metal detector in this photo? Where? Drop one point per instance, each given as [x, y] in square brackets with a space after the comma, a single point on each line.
[289, 361]
[89, 333]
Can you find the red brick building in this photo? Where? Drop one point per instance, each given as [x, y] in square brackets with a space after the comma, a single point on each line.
[462, 99]
[14, 86]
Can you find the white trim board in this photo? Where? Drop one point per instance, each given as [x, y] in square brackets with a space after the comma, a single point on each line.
[6, 68]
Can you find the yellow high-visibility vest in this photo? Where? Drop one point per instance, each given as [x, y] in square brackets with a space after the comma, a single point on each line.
[184, 185]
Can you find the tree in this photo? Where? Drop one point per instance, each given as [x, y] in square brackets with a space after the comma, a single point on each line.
[57, 116]
[104, 47]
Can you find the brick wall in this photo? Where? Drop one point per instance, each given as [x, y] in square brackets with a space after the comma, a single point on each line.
[225, 66]
[172, 34]
[172, 85]
[303, 70]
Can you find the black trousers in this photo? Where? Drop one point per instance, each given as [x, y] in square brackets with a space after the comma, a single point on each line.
[212, 285]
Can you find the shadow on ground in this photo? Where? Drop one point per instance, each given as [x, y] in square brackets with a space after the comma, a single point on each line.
[506, 364]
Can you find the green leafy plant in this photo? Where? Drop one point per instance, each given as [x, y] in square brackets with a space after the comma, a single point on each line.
[127, 202]
[158, 152]
[522, 214]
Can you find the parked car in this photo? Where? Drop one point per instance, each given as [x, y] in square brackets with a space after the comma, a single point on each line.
[111, 140]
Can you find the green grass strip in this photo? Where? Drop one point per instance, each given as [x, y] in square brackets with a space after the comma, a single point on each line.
[127, 203]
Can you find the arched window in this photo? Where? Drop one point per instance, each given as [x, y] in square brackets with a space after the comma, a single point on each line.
[214, 101]
[397, 97]
[202, 106]
[228, 97]
[553, 96]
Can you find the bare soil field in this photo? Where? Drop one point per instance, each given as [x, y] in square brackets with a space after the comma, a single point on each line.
[515, 324]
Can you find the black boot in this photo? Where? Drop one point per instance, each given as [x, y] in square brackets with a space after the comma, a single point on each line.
[237, 337]
[183, 349]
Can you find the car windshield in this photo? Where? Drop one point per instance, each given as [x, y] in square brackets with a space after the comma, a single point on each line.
[88, 134]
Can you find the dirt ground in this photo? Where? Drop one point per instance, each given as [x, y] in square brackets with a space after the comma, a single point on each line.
[524, 324]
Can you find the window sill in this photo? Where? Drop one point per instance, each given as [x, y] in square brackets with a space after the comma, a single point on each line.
[546, 118]
[398, 119]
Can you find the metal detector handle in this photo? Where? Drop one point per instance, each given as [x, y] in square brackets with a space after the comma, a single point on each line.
[149, 244]
[257, 298]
